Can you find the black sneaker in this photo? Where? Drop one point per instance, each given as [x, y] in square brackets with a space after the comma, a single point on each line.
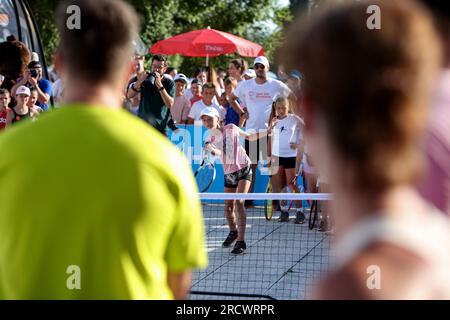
[299, 217]
[230, 239]
[239, 247]
[284, 217]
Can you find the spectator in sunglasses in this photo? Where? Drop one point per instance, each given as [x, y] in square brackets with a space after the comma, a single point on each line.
[257, 96]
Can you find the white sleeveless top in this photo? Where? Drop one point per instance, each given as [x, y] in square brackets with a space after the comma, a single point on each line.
[428, 237]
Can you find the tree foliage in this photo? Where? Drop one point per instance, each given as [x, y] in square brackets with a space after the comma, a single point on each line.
[162, 19]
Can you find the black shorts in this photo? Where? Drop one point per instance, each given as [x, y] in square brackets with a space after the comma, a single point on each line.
[232, 179]
[256, 150]
[286, 163]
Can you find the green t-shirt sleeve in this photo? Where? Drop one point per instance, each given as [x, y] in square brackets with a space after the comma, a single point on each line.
[186, 248]
[171, 89]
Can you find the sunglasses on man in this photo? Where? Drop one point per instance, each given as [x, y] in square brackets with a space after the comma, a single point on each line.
[259, 66]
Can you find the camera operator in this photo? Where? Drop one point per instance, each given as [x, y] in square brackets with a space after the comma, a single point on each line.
[33, 79]
[157, 94]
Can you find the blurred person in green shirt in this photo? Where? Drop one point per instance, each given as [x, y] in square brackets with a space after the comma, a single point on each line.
[113, 216]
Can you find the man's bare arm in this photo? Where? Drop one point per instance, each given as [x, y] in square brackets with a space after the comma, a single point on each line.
[168, 100]
[179, 283]
[235, 105]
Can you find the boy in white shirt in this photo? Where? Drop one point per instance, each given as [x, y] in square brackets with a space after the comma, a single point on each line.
[209, 92]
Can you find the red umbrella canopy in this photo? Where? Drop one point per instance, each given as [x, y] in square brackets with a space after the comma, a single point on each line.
[207, 42]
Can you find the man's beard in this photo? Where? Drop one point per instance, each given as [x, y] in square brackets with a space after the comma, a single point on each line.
[264, 77]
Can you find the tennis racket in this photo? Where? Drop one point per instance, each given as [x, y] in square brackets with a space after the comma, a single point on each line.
[268, 205]
[313, 215]
[206, 173]
[314, 212]
[289, 203]
[286, 203]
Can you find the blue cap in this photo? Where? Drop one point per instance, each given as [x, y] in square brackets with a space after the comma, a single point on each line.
[296, 74]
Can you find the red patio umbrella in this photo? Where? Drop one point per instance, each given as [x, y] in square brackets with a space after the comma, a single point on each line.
[207, 43]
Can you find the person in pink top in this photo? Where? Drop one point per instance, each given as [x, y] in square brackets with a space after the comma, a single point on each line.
[435, 186]
[224, 142]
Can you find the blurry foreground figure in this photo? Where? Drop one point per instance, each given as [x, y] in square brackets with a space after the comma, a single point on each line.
[435, 186]
[101, 206]
[365, 103]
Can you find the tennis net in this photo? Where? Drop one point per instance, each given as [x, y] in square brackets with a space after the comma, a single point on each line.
[283, 260]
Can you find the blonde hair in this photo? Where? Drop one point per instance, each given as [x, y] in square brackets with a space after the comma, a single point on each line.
[281, 99]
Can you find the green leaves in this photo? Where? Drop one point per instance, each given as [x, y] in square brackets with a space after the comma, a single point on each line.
[162, 19]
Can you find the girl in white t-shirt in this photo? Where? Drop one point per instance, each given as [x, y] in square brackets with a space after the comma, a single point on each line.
[286, 142]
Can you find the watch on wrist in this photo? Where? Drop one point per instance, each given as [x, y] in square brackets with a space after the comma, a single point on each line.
[161, 88]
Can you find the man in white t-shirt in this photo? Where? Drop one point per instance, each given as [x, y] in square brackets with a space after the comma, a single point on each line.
[257, 95]
[209, 93]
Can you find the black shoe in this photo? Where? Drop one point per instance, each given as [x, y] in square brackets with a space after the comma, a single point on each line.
[284, 217]
[299, 217]
[230, 239]
[239, 247]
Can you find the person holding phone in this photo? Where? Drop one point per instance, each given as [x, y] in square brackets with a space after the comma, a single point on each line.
[34, 79]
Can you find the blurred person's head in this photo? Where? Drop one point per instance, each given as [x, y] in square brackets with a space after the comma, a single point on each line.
[230, 84]
[107, 30]
[180, 83]
[22, 96]
[210, 118]
[5, 98]
[282, 107]
[201, 75]
[262, 67]
[366, 92]
[294, 81]
[159, 64]
[236, 68]
[139, 61]
[35, 69]
[33, 97]
[208, 93]
[171, 71]
[196, 88]
[223, 101]
[221, 73]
